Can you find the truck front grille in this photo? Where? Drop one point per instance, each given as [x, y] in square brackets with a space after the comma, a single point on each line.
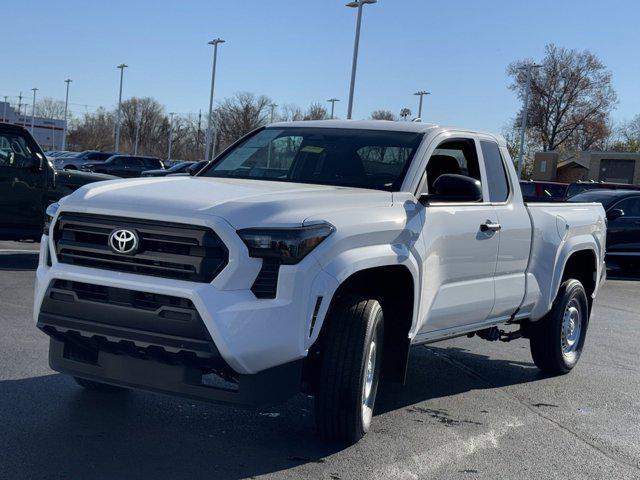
[169, 250]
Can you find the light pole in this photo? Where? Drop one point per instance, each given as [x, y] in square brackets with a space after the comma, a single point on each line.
[170, 134]
[273, 111]
[122, 66]
[4, 109]
[66, 105]
[207, 146]
[357, 4]
[525, 112]
[333, 101]
[421, 93]
[33, 109]
[138, 121]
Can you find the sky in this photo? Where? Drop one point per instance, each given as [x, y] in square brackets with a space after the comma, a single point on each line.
[299, 52]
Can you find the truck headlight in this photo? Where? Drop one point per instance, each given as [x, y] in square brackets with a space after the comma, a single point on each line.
[289, 245]
[49, 213]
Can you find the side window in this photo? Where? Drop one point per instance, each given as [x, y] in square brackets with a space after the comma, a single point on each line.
[496, 174]
[458, 156]
[630, 207]
[14, 152]
[118, 162]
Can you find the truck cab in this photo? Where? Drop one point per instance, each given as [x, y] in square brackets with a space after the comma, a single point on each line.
[29, 183]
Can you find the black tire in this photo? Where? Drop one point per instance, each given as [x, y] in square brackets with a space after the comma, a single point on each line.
[547, 338]
[97, 386]
[353, 324]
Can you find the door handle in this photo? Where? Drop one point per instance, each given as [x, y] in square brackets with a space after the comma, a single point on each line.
[490, 226]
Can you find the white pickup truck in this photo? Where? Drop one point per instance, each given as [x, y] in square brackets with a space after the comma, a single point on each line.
[310, 256]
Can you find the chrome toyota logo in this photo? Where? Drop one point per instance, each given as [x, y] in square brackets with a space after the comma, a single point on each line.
[123, 241]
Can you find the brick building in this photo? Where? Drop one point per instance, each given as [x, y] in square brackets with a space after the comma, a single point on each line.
[614, 167]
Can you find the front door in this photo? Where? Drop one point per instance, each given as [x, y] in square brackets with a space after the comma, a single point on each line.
[461, 246]
[623, 233]
[22, 186]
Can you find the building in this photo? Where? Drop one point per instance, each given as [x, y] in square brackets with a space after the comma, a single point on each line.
[47, 131]
[614, 167]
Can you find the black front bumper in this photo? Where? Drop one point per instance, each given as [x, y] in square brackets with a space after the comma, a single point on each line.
[152, 342]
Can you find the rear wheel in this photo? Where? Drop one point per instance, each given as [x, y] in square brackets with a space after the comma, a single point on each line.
[97, 386]
[350, 369]
[557, 339]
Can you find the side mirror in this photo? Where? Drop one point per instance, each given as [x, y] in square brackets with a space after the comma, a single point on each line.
[615, 213]
[32, 163]
[450, 187]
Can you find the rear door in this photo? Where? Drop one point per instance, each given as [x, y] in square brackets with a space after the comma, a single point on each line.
[515, 229]
[118, 166]
[460, 251]
[623, 233]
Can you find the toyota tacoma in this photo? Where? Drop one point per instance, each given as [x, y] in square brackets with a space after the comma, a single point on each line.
[311, 256]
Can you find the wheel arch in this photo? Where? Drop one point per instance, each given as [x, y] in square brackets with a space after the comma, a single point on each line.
[394, 286]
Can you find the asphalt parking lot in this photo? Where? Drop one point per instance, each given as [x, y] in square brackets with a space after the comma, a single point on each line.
[471, 409]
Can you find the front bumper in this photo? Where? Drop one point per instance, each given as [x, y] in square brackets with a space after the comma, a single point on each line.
[250, 335]
[268, 387]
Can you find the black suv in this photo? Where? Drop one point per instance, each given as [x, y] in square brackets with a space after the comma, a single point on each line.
[126, 166]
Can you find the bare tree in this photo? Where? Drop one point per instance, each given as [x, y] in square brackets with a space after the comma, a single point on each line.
[628, 136]
[316, 112]
[571, 97]
[47, 107]
[239, 115]
[382, 115]
[405, 113]
[94, 131]
[291, 113]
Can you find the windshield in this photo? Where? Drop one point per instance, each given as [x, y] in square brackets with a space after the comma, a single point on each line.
[374, 159]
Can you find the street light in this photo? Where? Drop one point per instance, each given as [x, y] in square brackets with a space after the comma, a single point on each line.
[207, 149]
[170, 134]
[421, 93]
[333, 105]
[525, 112]
[122, 66]
[358, 4]
[273, 107]
[33, 109]
[4, 109]
[66, 105]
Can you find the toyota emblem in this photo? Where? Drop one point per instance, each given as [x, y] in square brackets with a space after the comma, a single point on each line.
[123, 241]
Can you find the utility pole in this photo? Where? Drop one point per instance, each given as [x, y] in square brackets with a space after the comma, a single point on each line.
[66, 105]
[170, 134]
[122, 66]
[333, 105]
[19, 108]
[207, 148]
[273, 111]
[357, 4]
[421, 93]
[33, 109]
[138, 121]
[525, 114]
[199, 129]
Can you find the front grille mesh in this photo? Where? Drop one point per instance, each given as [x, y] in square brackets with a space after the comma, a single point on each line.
[169, 250]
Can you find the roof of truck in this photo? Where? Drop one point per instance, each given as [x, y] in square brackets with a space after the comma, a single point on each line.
[388, 125]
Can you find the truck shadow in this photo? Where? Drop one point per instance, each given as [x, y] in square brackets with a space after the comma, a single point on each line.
[52, 428]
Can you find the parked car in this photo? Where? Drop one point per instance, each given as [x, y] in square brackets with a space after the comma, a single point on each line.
[161, 172]
[538, 191]
[623, 215]
[579, 187]
[192, 169]
[29, 183]
[311, 256]
[75, 161]
[125, 166]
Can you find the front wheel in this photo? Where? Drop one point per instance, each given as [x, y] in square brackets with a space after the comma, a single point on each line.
[558, 338]
[350, 369]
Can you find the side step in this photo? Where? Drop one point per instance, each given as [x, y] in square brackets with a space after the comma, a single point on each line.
[494, 334]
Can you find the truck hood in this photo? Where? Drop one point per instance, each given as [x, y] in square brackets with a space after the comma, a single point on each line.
[242, 203]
